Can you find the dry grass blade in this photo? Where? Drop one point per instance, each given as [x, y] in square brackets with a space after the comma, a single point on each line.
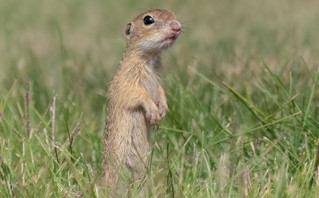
[53, 128]
[27, 110]
[245, 183]
[75, 131]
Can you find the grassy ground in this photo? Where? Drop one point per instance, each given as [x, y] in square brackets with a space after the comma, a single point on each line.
[241, 84]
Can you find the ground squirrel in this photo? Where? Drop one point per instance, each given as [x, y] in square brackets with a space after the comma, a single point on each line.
[137, 101]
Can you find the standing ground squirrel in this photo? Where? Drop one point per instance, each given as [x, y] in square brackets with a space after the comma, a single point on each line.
[137, 100]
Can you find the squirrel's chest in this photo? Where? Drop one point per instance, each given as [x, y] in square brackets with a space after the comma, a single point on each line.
[151, 82]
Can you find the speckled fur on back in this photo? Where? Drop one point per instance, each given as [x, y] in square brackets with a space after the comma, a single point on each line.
[137, 101]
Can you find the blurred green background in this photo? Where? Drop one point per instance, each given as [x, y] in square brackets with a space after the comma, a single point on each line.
[51, 39]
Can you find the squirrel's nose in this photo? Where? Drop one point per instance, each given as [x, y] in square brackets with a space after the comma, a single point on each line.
[176, 26]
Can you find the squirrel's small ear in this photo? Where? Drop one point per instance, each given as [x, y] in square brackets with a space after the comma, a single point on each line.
[128, 29]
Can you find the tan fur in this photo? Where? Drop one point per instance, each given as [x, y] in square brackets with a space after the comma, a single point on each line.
[137, 101]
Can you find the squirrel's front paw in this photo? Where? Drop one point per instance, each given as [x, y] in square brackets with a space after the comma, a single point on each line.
[152, 114]
[162, 108]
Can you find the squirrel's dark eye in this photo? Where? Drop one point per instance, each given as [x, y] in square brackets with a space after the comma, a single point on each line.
[148, 20]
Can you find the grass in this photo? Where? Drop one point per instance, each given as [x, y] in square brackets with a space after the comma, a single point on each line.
[241, 83]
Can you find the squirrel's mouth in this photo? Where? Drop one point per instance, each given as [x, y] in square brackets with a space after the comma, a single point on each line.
[172, 37]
